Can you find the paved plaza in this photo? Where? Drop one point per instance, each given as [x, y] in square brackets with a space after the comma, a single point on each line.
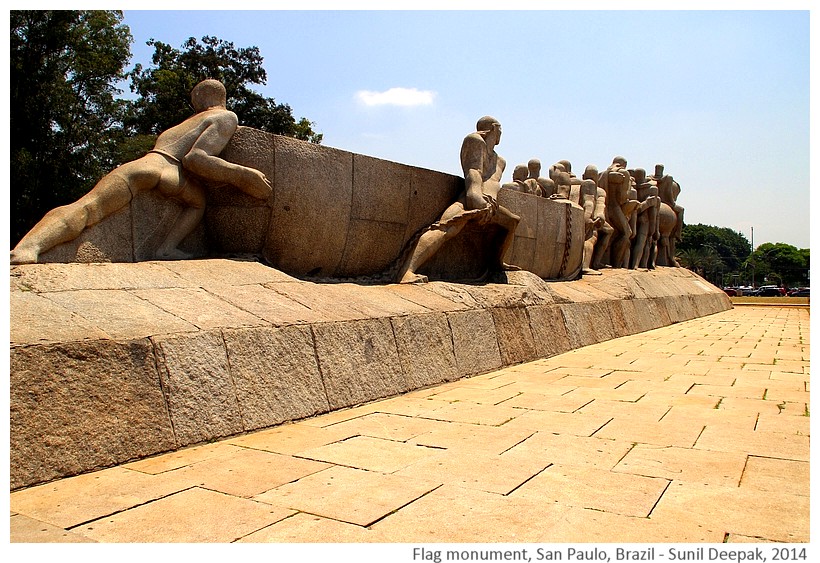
[696, 432]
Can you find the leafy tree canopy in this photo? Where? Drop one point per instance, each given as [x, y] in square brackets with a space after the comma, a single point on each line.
[781, 264]
[731, 247]
[64, 116]
[68, 125]
[164, 88]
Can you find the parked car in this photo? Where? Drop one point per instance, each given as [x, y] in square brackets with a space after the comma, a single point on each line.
[802, 292]
[730, 291]
[769, 291]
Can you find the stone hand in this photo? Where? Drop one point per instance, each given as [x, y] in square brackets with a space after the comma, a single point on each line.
[256, 184]
[475, 200]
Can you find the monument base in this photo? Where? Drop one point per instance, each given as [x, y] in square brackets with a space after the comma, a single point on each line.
[115, 362]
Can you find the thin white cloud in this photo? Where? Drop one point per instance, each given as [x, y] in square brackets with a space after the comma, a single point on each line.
[405, 97]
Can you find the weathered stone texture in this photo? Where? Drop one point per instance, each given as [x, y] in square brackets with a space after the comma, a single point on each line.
[515, 339]
[80, 406]
[549, 330]
[197, 383]
[235, 229]
[119, 313]
[276, 375]
[359, 361]
[425, 346]
[109, 241]
[313, 188]
[154, 216]
[475, 341]
[37, 319]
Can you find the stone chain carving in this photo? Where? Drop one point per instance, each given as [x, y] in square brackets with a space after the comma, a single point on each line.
[567, 240]
[632, 222]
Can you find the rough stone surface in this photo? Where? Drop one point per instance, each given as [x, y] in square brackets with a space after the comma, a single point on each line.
[316, 182]
[515, 339]
[233, 345]
[549, 330]
[359, 361]
[236, 229]
[276, 375]
[36, 319]
[425, 347]
[431, 193]
[541, 237]
[108, 241]
[475, 341]
[196, 380]
[83, 405]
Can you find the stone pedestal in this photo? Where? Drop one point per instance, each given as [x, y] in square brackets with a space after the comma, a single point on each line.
[114, 362]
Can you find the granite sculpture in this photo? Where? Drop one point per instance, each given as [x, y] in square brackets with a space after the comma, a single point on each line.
[183, 157]
[644, 245]
[670, 217]
[617, 183]
[541, 186]
[590, 197]
[339, 215]
[478, 203]
[519, 180]
[598, 244]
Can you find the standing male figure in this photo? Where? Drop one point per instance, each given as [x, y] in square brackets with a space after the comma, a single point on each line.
[483, 169]
[182, 156]
[543, 187]
[617, 183]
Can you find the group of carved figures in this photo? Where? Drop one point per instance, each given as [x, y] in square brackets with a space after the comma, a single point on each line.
[632, 220]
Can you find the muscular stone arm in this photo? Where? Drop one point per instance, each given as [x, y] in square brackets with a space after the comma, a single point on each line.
[472, 163]
[202, 159]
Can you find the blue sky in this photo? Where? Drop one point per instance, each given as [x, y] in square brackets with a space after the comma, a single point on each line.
[720, 97]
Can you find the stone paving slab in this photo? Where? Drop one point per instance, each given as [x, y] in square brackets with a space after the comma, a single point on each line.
[568, 450]
[373, 454]
[445, 464]
[684, 464]
[485, 473]
[596, 489]
[336, 493]
[193, 515]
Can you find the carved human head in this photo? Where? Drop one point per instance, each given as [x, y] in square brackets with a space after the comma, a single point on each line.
[534, 167]
[563, 179]
[207, 94]
[620, 161]
[567, 166]
[520, 172]
[488, 126]
[659, 171]
[485, 124]
[591, 172]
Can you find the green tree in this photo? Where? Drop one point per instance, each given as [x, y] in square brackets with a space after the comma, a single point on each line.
[164, 88]
[731, 247]
[780, 264]
[704, 261]
[64, 116]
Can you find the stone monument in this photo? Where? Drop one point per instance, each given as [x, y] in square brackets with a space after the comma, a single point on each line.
[183, 157]
[670, 222]
[478, 204]
[125, 356]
